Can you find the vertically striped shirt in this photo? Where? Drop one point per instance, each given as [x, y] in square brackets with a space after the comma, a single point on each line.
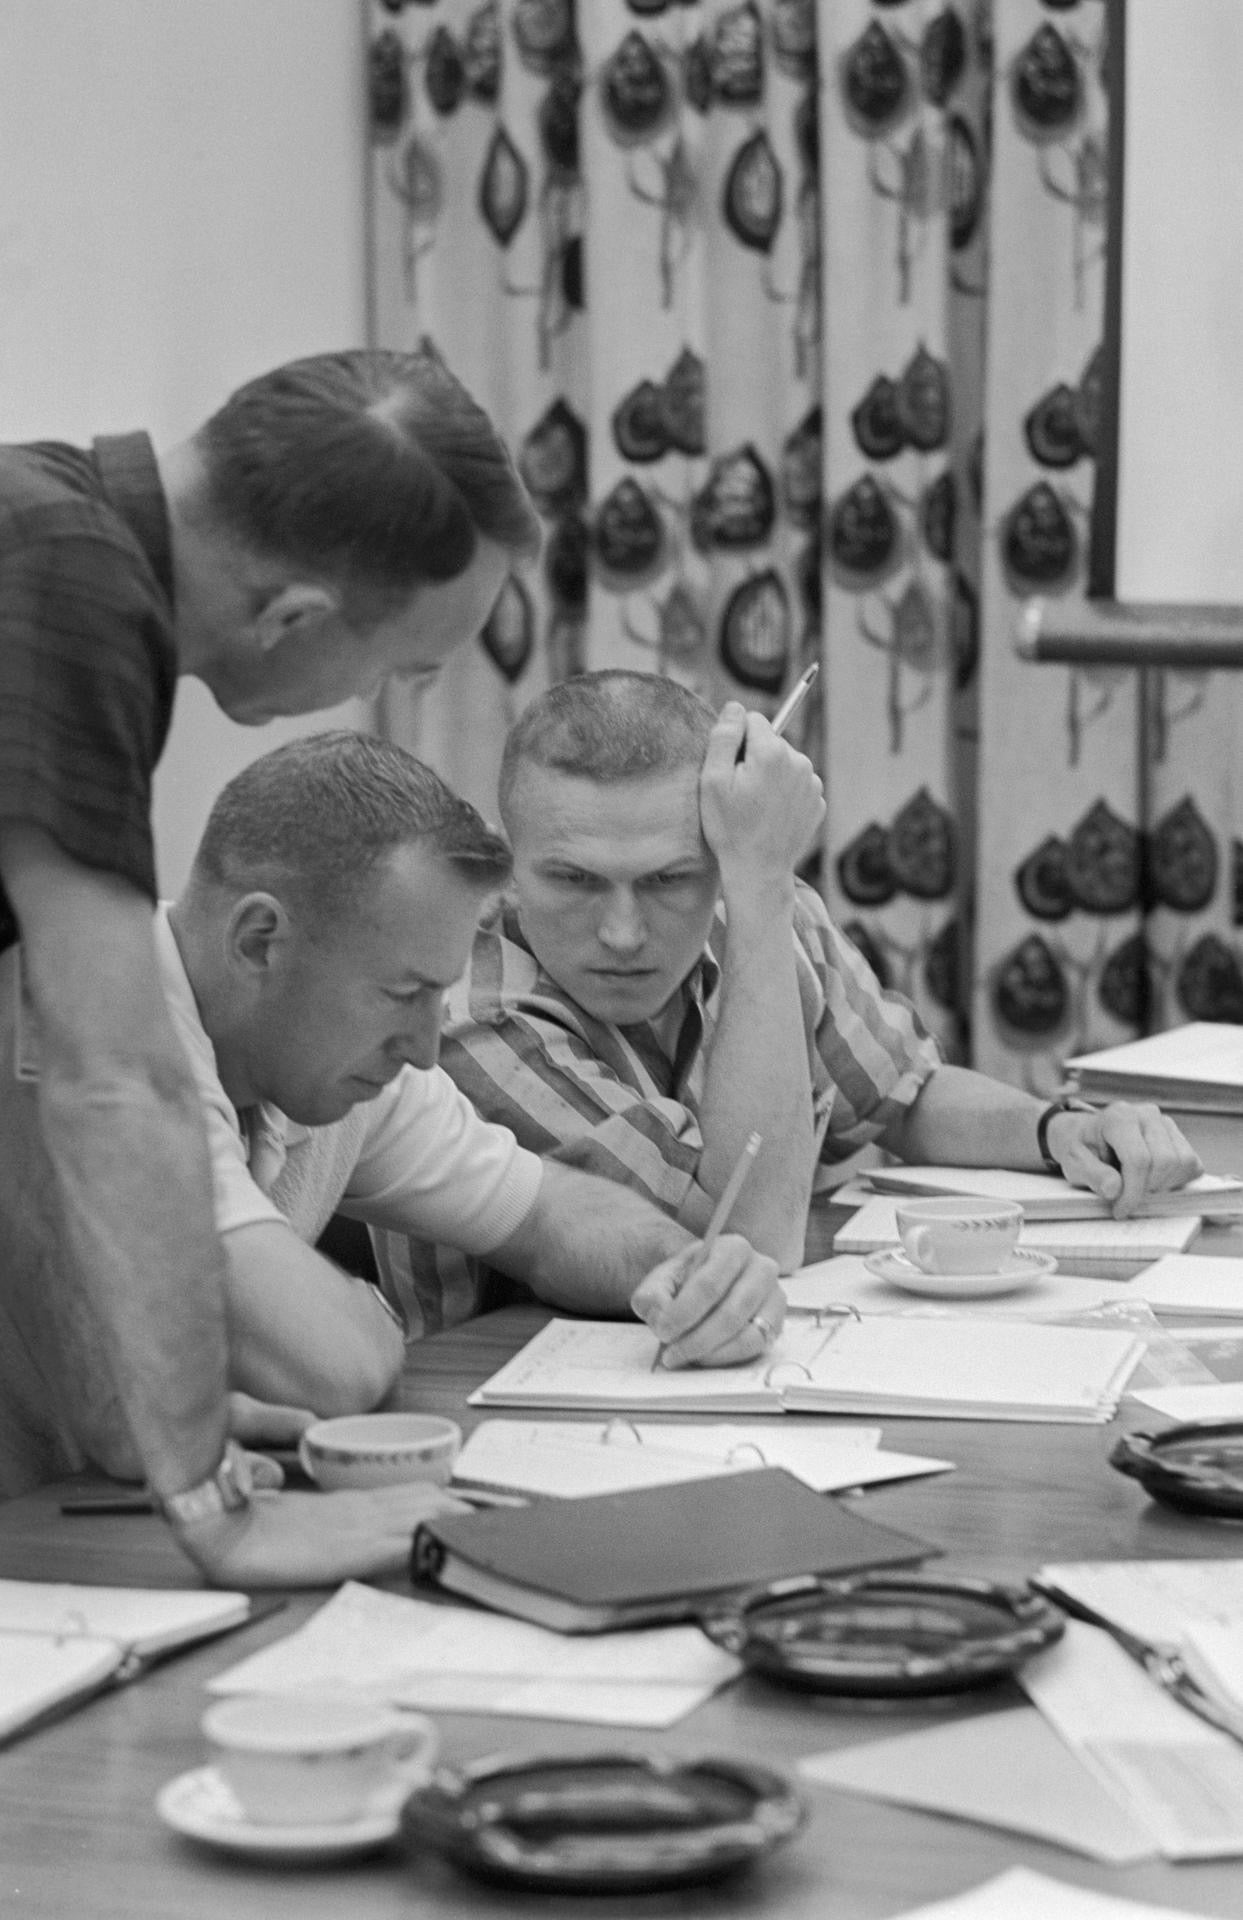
[88, 668]
[624, 1102]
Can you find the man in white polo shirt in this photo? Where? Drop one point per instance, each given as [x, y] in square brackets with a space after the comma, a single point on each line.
[332, 902]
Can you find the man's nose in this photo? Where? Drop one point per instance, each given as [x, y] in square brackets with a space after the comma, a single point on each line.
[621, 925]
[419, 1041]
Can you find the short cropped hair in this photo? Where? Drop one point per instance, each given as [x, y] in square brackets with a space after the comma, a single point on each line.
[313, 819]
[607, 726]
[373, 469]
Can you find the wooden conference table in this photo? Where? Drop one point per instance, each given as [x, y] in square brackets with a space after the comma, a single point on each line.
[79, 1834]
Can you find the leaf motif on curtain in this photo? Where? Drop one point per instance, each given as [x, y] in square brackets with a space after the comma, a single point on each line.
[1030, 995]
[921, 848]
[1124, 988]
[1183, 860]
[801, 468]
[1039, 546]
[737, 57]
[552, 458]
[875, 422]
[1209, 981]
[736, 508]
[1051, 428]
[1042, 882]
[938, 515]
[481, 53]
[509, 631]
[864, 871]
[544, 33]
[503, 187]
[638, 92]
[876, 84]
[943, 966]
[1103, 863]
[388, 86]
[864, 536]
[444, 72]
[628, 540]
[755, 632]
[752, 197]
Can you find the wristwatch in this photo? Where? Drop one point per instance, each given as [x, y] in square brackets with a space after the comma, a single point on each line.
[227, 1490]
[1067, 1104]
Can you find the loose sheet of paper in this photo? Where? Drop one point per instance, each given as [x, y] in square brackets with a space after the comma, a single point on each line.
[576, 1458]
[1193, 1283]
[462, 1660]
[1153, 1600]
[1021, 1894]
[1007, 1770]
[1173, 1773]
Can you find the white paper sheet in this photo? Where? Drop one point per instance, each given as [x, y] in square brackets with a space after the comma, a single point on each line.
[1154, 1600]
[1191, 1283]
[1007, 1770]
[1174, 1774]
[1222, 1401]
[459, 1659]
[1021, 1894]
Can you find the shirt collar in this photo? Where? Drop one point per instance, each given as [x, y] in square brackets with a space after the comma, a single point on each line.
[131, 479]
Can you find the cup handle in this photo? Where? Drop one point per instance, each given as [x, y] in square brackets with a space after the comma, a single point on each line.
[920, 1250]
[414, 1749]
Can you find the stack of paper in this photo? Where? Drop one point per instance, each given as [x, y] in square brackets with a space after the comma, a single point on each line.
[1193, 1286]
[1116, 1241]
[949, 1368]
[1043, 1196]
[463, 1660]
[572, 1459]
[1198, 1066]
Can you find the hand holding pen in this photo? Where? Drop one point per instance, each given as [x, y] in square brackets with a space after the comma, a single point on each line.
[720, 1303]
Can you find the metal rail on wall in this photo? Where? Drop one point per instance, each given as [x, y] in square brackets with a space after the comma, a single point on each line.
[1130, 634]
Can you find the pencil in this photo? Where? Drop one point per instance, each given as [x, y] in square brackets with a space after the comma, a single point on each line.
[720, 1217]
[795, 698]
[729, 1194]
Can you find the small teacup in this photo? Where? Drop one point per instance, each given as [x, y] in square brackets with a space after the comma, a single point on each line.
[380, 1449]
[316, 1759]
[953, 1235]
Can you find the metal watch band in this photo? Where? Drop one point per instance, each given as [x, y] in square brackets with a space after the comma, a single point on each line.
[1067, 1104]
[227, 1490]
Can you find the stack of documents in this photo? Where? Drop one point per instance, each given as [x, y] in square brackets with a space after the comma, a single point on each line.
[1198, 1067]
[462, 1660]
[1112, 1241]
[946, 1368]
[1193, 1287]
[1023, 1895]
[572, 1459]
[1043, 1196]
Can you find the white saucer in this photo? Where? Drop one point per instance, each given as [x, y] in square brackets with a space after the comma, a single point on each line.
[201, 1805]
[1017, 1270]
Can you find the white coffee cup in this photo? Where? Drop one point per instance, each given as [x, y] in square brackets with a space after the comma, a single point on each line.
[951, 1235]
[380, 1449]
[316, 1759]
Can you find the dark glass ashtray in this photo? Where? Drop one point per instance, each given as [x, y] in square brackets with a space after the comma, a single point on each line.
[887, 1635]
[1196, 1467]
[603, 1822]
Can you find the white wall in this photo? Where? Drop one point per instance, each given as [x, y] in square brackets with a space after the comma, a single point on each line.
[182, 204]
[1180, 442]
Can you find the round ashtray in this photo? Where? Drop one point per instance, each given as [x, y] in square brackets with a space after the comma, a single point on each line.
[886, 1635]
[1196, 1466]
[603, 1822]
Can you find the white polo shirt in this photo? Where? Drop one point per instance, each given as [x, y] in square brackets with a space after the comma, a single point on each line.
[417, 1158]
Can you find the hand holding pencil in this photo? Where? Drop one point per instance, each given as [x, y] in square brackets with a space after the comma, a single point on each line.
[718, 1303]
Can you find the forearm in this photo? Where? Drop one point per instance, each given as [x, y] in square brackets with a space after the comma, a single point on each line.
[758, 1079]
[300, 1331]
[141, 1313]
[587, 1243]
[964, 1119]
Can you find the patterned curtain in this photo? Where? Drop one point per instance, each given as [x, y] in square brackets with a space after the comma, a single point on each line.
[791, 311]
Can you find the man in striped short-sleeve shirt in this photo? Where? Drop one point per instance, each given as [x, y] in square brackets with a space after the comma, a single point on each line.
[658, 984]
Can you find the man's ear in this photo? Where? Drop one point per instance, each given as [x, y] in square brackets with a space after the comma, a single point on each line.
[257, 928]
[299, 606]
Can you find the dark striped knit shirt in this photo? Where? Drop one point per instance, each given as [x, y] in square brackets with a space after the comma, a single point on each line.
[87, 662]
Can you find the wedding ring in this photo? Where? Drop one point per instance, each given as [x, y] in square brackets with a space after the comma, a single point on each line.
[767, 1334]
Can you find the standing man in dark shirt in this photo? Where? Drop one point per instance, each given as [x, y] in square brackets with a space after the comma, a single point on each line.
[340, 519]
